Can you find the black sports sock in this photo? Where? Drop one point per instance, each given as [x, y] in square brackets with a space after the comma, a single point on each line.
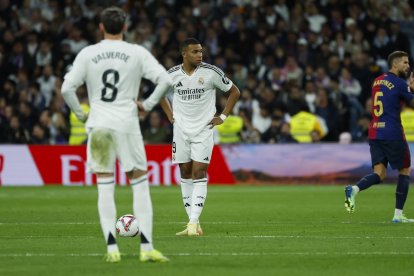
[368, 180]
[402, 191]
[111, 239]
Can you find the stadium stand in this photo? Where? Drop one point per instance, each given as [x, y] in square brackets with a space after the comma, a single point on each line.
[283, 55]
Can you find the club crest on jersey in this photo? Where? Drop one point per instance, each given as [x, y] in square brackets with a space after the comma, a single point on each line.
[201, 80]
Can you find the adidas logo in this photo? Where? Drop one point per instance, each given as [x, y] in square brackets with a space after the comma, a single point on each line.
[187, 205]
[206, 159]
[179, 84]
[199, 204]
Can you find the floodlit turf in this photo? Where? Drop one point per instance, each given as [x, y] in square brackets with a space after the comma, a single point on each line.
[255, 230]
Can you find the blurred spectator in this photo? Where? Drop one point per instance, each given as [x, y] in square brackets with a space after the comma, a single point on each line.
[78, 133]
[381, 45]
[360, 133]
[345, 138]
[272, 133]
[398, 40]
[314, 17]
[15, 133]
[61, 136]
[44, 55]
[326, 110]
[35, 98]
[156, 133]
[307, 127]
[303, 55]
[285, 135]
[407, 121]
[310, 95]
[341, 103]
[76, 41]
[261, 119]
[274, 49]
[9, 92]
[229, 130]
[249, 134]
[352, 88]
[39, 135]
[27, 117]
[47, 82]
[296, 100]
[292, 71]
[245, 102]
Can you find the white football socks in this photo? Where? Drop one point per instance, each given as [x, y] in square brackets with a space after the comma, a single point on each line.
[198, 199]
[107, 209]
[143, 209]
[355, 189]
[398, 212]
[187, 188]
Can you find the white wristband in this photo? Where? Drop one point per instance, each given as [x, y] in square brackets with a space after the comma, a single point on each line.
[223, 117]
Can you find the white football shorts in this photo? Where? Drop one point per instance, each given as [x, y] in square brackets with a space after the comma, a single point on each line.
[106, 145]
[198, 148]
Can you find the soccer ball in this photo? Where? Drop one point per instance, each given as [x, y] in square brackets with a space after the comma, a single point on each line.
[127, 226]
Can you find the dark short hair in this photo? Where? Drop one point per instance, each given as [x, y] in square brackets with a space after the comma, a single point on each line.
[188, 41]
[113, 20]
[395, 55]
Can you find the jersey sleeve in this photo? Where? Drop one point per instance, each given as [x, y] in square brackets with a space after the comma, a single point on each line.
[77, 74]
[405, 91]
[151, 68]
[220, 80]
[73, 79]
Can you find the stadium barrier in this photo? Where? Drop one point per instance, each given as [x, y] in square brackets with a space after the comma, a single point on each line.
[22, 165]
[324, 163]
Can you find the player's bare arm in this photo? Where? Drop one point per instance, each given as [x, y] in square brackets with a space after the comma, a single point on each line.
[166, 107]
[411, 82]
[411, 85]
[234, 95]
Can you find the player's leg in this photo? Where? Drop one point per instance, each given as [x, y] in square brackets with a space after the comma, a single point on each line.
[187, 186]
[131, 154]
[101, 160]
[181, 156]
[198, 197]
[201, 151]
[400, 159]
[379, 162]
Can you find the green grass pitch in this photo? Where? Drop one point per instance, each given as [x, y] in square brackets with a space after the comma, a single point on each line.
[249, 230]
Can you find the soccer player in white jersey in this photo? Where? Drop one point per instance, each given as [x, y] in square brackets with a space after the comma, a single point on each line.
[194, 113]
[112, 71]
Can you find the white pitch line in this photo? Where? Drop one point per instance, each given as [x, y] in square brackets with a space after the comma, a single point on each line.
[316, 237]
[220, 237]
[207, 222]
[188, 254]
[47, 223]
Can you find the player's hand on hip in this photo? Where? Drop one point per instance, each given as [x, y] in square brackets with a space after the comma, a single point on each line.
[142, 114]
[140, 105]
[85, 117]
[215, 122]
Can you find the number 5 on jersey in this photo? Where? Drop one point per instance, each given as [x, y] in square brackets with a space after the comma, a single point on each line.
[378, 106]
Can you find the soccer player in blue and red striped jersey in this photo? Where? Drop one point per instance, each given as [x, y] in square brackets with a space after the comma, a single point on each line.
[386, 134]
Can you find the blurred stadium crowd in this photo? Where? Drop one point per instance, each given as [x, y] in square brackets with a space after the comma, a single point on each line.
[304, 68]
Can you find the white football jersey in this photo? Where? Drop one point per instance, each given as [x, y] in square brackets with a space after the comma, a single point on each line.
[194, 100]
[112, 71]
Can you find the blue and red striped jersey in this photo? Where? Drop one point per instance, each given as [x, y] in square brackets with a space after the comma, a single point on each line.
[389, 92]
